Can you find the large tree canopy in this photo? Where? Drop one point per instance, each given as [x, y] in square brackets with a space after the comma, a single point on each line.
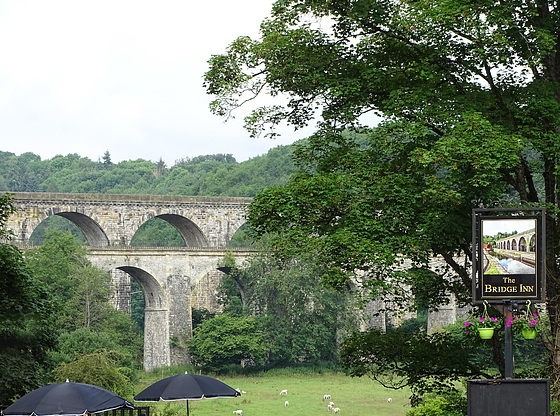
[27, 315]
[470, 98]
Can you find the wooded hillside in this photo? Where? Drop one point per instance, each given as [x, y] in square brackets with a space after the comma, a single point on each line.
[206, 175]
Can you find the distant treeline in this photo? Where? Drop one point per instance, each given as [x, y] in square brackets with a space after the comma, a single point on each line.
[207, 175]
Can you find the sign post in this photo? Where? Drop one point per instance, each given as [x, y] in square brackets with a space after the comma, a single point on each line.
[508, 258]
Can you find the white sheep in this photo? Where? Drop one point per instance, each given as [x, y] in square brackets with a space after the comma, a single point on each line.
[238, 412]
[329, 408]
[326, 396]
[286, 403]
[332, 404]
[389, 400]
[284, 392]
[336, 410]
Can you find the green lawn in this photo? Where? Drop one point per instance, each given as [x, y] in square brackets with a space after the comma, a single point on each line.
[354, 397]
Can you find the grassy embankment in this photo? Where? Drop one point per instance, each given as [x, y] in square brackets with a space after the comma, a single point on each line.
[354, 396]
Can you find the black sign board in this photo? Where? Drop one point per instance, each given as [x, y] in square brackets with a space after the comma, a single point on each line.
[508, 397]
[508, 256]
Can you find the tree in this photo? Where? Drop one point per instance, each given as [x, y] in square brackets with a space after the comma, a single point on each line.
[426, 363]
[470, 98]
[107, 163]
[99, 369]
[225, 340]
[27, 313]
[83, 292]
[301, 320]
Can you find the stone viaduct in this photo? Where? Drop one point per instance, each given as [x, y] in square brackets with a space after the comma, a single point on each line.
[524, 241]
[173, 279]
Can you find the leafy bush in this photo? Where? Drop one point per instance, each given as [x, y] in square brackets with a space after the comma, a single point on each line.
[100, 369]
[225, 340]
[452, 404]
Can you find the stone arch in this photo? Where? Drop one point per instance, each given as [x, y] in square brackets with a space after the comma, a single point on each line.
[204, 288]
[533, 243]
[156, 319]
[522, 244]
[239, 237]
[190, 232]
[92, 231]
[514, 245]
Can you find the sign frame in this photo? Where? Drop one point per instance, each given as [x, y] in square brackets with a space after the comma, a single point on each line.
[497, 285]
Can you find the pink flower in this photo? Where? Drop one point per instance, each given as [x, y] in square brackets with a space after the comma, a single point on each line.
[467, 323]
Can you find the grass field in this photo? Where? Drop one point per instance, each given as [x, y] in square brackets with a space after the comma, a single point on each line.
[354, 396]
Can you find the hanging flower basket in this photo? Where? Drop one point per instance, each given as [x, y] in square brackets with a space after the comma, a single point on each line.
[486, 333]
[529, 333]
[529, 323]
[483, 325]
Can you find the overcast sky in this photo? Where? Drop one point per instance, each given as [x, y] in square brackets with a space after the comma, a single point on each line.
[121, 76]
[493, 227]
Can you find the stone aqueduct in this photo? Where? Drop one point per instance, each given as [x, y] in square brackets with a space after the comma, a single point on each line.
[524, 241]
[173, 280]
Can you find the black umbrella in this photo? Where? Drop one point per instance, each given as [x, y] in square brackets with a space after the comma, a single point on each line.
[186, 387]
[66, 399]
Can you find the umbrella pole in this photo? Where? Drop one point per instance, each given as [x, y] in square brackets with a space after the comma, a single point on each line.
[187, 408]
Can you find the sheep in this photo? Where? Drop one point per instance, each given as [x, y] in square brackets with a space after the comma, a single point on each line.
[389, 400]
[286, 403]
[238, 412]
[329, 408]
[331, 403]
[326, 396]
[284, 392]
[336, 410]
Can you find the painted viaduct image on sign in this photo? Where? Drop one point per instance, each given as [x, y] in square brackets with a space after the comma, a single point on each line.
[523, 241]
[173, 279]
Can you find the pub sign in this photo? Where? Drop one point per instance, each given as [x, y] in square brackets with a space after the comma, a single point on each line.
[508, 256]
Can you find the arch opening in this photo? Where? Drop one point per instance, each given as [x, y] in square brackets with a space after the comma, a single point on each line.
[55, 222]
[151, 289]
[522, 244]
[156, 316]
[532, 243]
[191, 233]
[156, 232]
[92, 232]
[241, 238]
